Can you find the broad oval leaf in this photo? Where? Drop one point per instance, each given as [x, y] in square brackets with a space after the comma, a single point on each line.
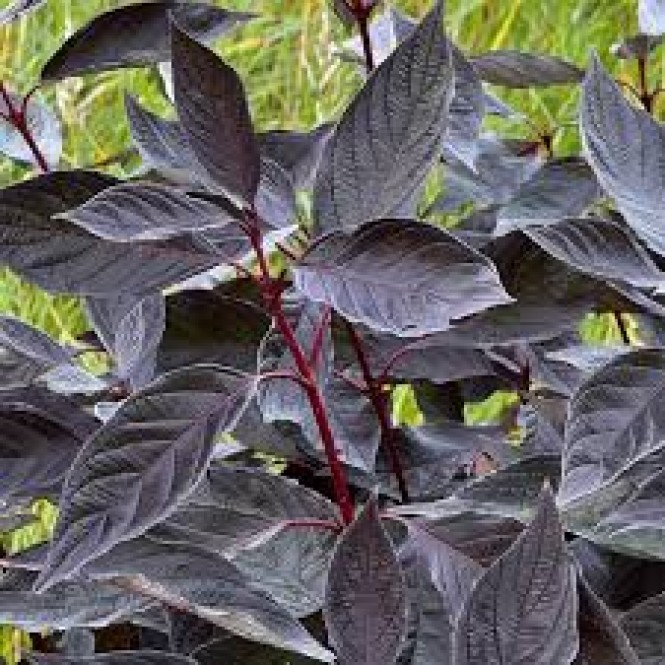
[207, 585]
[140, 464]
[18, 9]
[213, 112]
[61, 257]
[514, 69]
[524, 608]
[601, 248]
[399, 276]
[135, 35]
[365, 606]
[143, 657]
[44, 128]
[144, 211]
[651, 17]
[391, 133]
[626, 147]
[615, 420]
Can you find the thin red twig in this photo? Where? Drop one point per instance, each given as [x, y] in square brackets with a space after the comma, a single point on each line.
[379, 400]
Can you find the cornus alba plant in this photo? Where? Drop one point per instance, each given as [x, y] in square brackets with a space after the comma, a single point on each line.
[234, 489]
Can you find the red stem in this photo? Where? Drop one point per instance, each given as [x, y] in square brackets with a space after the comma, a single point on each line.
[315, 524]
[645, 95]
[317, 344]
[361, 14]
[18, 118]
[379, 400]
[272, 294]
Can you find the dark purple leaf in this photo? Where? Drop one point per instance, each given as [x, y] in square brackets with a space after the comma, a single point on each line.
[139, 465]
[235, 651]
[131, 330]
[614, 422]
[483, 538]
[143, 211]
[207, 585]
[291, 567]
[602, 640]
[161, 143]
[651, 17]
[26, 354]
[644, 626]
[298, 153]
[524, 608]
[439, 580]
[365, 606]
[403, 277]
[560, 189]
[223, 326]
[240, 507]
[599, 248]
[77, 643]
[496, 176]
[514, 69]
[41, 434]
[214, 117]
[59, 256]
[69, 604]
[390, 135]
[136, 35]
[625, 147]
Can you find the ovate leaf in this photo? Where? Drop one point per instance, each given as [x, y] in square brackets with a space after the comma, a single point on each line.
[365, 607]
[135, 35]
[514, 69]
[625, 147]
[524, 608]
[140, 464]
[391, 133]
[214, 117]
[206, 585]
[600, 248]
[145, 211]
[399, 276]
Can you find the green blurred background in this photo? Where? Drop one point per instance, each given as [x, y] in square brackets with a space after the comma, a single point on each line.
[294, 79]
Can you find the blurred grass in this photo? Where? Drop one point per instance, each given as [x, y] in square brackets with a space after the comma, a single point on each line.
[293, 78]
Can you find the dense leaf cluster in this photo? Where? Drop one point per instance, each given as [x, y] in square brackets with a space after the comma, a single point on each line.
[232, 488]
